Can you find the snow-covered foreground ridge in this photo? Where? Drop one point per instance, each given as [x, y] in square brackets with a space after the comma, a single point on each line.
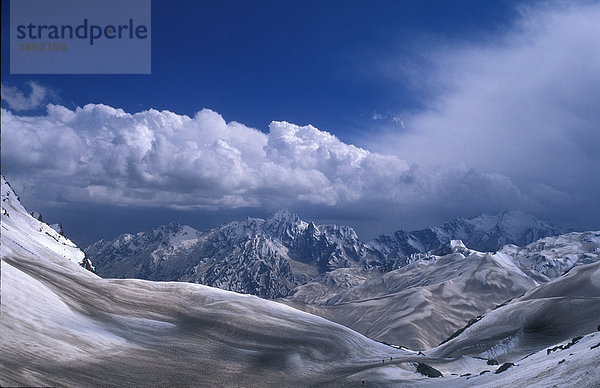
[38, 236]
[63, 325]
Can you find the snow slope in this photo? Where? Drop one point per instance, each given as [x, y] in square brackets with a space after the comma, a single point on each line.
[36, 235]
[557, 311]
[420, 304]
[570, 363]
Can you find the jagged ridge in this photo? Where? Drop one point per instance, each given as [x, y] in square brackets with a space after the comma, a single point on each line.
[269, 258]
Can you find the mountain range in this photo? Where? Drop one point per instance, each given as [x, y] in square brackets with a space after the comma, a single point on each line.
[515, 316]
[270, 257]
[413, 289]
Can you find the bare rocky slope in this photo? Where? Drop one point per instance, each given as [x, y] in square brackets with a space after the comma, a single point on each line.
[420, 304]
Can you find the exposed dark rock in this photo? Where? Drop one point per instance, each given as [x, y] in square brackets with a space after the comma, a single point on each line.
[58, 228]
[492, 361]
[504, 367]
[87, 264]
[37, 216]
[564, 347]
[459, 331]
[428, 371]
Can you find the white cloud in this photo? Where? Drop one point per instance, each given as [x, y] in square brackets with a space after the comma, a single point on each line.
[98, 154]
[17, 100]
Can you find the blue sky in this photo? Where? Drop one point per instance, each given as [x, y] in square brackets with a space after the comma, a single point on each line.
[306, 62]
[419, 112]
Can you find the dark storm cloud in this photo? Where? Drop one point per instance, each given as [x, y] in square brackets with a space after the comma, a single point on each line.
[524, 105]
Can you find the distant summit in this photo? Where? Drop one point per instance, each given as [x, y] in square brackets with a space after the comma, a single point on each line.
[484, 233]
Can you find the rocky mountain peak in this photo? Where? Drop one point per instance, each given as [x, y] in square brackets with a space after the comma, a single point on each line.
[452, 246]
[284, 251]
[284, 225]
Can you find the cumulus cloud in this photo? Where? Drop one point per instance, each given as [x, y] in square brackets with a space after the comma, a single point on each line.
[99, 154]
[524, 105]
[18, 101]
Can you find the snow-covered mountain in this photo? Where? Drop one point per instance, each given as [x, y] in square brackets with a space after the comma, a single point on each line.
[485, 233]
[271, 257]
[138, 255]
[420, 304]
[553, 256]
[64, 325]
[426, 300]
[267, 258]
